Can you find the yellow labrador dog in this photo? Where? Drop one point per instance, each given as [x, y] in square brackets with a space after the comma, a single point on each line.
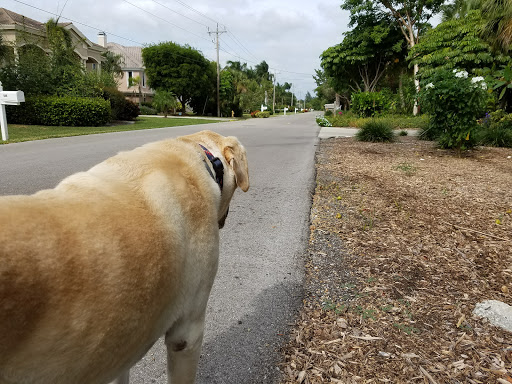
[94, 271]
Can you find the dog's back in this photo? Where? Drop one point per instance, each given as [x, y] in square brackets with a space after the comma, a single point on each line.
[82, 267]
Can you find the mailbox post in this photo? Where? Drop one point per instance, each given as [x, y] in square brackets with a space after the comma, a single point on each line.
[8, 98]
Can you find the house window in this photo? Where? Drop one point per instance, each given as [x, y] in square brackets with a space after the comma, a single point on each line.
[130, 75]
[94, 66]
[143, 80]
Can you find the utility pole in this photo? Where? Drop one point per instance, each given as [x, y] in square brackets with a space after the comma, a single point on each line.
[274, 99]
[218, 66]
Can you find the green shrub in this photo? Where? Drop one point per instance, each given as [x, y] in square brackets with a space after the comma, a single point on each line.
[349, 119]
[254, 113]
[375, 131]
[328, 113]
[369, 104]
[56, 111]
[454, 102]
[496, 130]
[263, 114]
[122, 109]
[147, 110]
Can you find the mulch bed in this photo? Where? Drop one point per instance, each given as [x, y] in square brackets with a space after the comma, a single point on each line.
[405, 240]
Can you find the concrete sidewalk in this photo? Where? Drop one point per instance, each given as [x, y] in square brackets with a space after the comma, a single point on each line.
[329, 132]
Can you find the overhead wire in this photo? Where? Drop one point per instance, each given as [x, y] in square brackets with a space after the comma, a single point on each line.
[230, 34]
[165, 20]
[196, 11]
[90, 26]
[185, 16]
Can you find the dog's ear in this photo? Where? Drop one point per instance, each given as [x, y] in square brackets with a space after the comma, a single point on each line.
[235, 155]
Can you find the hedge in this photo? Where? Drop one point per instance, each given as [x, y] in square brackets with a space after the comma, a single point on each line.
[65, 111]
[122, 108]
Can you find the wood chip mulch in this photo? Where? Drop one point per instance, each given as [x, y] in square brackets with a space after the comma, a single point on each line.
[405, 240]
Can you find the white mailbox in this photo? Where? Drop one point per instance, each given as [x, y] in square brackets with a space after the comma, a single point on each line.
[12, 97]
[8, 98]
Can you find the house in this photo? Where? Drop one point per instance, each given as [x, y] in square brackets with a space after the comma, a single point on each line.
[18, 31]
[133, 68]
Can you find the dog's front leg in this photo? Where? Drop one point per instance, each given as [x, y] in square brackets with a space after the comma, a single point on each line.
[123, 379]
[183, 343]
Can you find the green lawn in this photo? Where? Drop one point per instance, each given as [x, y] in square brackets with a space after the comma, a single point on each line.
[19, 133]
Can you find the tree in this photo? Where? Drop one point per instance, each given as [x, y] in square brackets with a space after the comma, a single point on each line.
[455, 44]
[136, 82]
[364, 54]
[67, 70]
[325, 92]
[113, 64]
[459, 9]
[498, 23]
[181, 70]
[30, 72]
[165, 101]
[410, 15]
[5, 53]
[261, 71]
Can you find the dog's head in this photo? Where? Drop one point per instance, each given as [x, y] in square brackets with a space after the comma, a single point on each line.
[237, 173]
[234, 159]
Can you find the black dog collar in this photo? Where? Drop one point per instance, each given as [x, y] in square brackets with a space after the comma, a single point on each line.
[218, 167]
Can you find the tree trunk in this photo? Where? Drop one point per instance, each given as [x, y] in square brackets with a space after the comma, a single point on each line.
[416, 108]
[337, 103]
[401, 90]
[412, 43]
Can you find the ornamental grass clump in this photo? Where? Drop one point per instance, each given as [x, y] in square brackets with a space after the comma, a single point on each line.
[376, 131]
[454, 102]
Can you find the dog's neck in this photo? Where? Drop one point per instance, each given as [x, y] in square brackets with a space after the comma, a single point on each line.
[217, 165]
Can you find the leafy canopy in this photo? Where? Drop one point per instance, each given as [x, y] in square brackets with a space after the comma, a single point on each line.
[181, 70]
[455, 44]
[411, 16]
[365, 53]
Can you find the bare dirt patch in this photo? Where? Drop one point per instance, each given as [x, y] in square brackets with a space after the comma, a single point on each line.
[405, 240]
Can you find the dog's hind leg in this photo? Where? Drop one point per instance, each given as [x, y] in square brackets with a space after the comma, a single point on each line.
[123, 379]
[183, 343]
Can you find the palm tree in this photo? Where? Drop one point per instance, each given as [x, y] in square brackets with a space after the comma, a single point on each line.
[498, 26]
[165, 101]
[113, 63]
[459, 9]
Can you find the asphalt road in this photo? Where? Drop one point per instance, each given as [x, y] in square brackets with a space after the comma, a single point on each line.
[258, 287]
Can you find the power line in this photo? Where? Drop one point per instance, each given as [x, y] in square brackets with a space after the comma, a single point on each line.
[230, 34]
[95, 28]
[198, 12]
[185, 16]
[168, 22]
[164, 20]
[79, 22]
[234, 38]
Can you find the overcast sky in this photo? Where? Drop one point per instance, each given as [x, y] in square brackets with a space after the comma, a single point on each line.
[289, 35]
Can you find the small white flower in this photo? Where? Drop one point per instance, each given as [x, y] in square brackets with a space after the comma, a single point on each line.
[481, 80]
[429, 85]
[460, 74]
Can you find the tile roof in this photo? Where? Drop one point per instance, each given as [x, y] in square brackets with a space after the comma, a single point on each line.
[132, 55]
[10, 17]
